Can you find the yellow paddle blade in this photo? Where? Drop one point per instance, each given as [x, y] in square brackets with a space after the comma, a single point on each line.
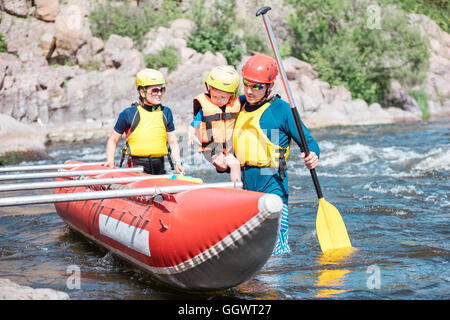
[190, 179]
[330, 227]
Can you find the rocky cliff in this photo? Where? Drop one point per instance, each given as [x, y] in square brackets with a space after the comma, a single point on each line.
[48, 80]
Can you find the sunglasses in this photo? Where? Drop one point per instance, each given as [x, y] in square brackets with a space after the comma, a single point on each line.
[155, 91]
[254, 86]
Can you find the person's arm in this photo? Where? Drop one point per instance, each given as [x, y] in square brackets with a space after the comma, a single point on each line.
[175, 152]
[122, 124]
[192, 136]
[173, 142]
[111, 146]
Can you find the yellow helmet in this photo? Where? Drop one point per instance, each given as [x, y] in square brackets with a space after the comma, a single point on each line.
[224, 78]
[149, 77]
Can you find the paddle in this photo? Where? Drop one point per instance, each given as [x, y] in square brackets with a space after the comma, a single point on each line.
[60, 174]
[330, 227]
[109, 194]
[47, 166]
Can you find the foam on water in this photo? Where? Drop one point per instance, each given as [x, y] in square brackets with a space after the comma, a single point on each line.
[438, 160]
[355, 153]
[396, 190]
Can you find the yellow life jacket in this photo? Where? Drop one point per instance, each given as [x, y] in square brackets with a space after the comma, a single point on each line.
[149, 138]
[217, 125]
[252, 146]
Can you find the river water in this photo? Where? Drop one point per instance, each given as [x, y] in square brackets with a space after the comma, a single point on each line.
[389, 182]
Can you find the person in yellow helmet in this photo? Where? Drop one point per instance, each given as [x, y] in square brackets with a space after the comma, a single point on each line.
[149, 128]
[215, 113]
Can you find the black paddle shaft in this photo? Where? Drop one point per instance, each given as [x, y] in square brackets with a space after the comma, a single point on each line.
[263, 11]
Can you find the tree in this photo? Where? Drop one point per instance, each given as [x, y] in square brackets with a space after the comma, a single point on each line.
[359, 44]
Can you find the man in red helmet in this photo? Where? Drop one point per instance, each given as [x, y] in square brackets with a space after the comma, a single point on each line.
[262, 137]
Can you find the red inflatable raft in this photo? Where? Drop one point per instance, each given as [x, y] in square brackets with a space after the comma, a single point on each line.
[203, 239]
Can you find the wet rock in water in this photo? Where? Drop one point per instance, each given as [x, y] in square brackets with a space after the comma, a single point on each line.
[15, 157]
[10, 290]
[20, 141]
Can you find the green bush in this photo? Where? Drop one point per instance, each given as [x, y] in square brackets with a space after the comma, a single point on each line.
[337, 38]
[215, 30]
[437, 10]
[113, 17]
[422, 100]
[168, 57]
[256, 43]
[3, 43]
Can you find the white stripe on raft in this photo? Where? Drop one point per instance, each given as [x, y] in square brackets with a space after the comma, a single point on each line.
[269, 205]
[132, 237]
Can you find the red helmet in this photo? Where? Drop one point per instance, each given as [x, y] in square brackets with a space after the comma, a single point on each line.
[260, 69]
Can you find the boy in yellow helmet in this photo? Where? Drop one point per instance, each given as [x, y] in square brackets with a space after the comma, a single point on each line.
[214, 115]
[148, 127]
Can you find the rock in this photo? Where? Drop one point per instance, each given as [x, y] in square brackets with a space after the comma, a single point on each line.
[130, 61]
[97, 45]
[181, 28]
[72, 29]
[96, 95]
[187, 53]
[339, 93]
[438, 111]
[80, 131]
[47, 43]
[436, 84]
[47, 10]
[161, 37]
[399, 98]
[69, 72]
[400, 116]
[31, 90]
[356, 112]
[84, 54]
[9, 66]
[116, 45]
[10, 290]
[18, 8]
[295, 68]
[310, 87]
[24, 37]
[187, 81]
[16, 136]
[157, 40]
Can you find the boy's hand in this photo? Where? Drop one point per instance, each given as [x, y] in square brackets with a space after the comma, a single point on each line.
[179, 168]
[219, 161]
[311, 161]
[192, 137]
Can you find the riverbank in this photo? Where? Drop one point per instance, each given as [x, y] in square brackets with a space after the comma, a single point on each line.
[30, 142]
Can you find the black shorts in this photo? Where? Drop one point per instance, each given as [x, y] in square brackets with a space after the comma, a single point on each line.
[152, 165]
